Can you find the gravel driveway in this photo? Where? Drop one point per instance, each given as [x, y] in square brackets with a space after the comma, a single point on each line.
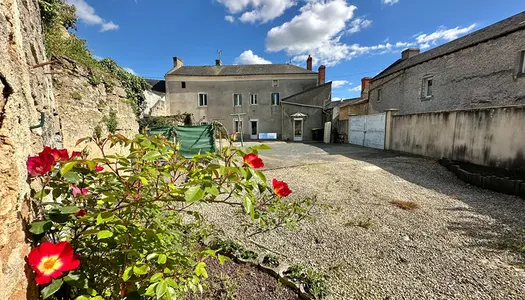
[457, 245]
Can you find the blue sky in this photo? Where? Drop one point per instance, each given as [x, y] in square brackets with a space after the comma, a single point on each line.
[354, 38]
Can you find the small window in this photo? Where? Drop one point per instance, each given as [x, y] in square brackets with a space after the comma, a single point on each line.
[203, 100]
[237, 126]
[183, 84]
[275, 83]
[237, 99]
[522, 63]
[427, 87]
[275, 99]
[253, 99]
[379, 95]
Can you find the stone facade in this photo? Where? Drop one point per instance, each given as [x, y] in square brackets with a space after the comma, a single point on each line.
[482, 75]
[25, 92]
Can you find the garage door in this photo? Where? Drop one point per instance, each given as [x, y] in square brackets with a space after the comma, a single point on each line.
[368, 131]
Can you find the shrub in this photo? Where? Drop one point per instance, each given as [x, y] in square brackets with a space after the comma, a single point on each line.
[249, 254]
[111, 121]
[271, 260]
[131, 219]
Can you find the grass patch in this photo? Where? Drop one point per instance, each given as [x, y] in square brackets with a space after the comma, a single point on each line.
[406, 205]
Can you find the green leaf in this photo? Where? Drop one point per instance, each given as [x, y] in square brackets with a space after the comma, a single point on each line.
[52, 288]
[104, 234]
[72, 177]
[161, 289]
[162, 259]
[140, 269]
[156, 277]
[67, 167]
[261, 176]
[40, 227]
[171, 282]
[151, 256]
[127, 273]
[194, 194]
[42, 194]
[150, 291]
[212, 190]
[248, 206]
[152, 155]
[77, 280]
[105, 217]
[59, 218]
[200, 270]
[69, 209]
[143, 180]
[82, 298]
[223, 259]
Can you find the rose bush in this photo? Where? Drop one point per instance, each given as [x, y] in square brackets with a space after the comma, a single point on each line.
[129, 227]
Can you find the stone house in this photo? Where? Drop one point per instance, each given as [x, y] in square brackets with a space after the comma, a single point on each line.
[282, 100]
[483, 69]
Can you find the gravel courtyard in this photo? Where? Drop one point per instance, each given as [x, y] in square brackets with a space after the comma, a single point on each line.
[457, 245]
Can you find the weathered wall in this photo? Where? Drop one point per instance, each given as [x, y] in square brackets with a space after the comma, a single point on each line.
[359, 108]
[491, 137]
[480, 76]
[82, 105]
[155, 104]
[24, 93]
[311, 103]
[220, 98]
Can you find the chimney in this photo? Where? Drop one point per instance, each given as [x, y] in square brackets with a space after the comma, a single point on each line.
[218, 62]
[309, 63]
[365, 87]
[410, 52]
[322, 75]
[177, 62]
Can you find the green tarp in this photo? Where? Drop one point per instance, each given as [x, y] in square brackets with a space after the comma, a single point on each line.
[195, 139]
[168, 132]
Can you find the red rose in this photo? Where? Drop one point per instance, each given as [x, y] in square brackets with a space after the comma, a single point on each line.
[99, 168]
[253, 161]
[59, 155]
[76, 154]
[50, 260]
[39, 165]
[281, 188]
[81, 213]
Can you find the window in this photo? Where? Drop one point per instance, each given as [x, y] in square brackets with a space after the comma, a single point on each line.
[379, 95]
[203, 100]
[427, 87]
[183, 84]
[237, 126]
[237, 99]
[275, 99]
[253, 99]
[522, 63]
[275, 83]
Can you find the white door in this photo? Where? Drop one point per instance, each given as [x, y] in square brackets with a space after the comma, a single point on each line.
[298, 130]
[368, 131]
[254, 129]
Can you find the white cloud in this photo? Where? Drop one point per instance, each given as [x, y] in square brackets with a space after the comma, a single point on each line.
[443, 34]
[339, 83]
[86, 14]
[249, 58]
[359, 24]
[229, 18]
[257, 10]
[355, 89]
[130, 70]
[390, 2]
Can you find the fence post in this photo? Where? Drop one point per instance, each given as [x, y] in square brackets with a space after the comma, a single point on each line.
[388, 127]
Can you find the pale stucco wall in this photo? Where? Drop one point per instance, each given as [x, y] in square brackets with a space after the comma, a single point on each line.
[155, 104]
[491, 137]
[484, 75]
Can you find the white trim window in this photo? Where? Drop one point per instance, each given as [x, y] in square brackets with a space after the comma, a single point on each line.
[275, 99]
[522, 62]
[428, 85]
[275, 83]
[237, 100]
[203, 99]
[253, 99]
[237, 126]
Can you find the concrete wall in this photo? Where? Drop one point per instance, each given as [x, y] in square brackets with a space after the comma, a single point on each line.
[480, 76]
[24, 93]
[156, 105]
[220, 98]
[491, 137]
[311, 103]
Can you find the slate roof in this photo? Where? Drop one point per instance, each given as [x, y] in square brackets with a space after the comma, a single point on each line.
[157, 85]
[307, 90]
[494, 31]
[340, 103]
[236, 70]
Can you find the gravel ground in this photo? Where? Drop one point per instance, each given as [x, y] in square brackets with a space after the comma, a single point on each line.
[457, 245]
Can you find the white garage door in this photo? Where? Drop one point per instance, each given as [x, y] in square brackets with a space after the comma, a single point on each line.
[368, 131]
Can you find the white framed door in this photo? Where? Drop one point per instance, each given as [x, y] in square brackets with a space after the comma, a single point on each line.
[254, 129]
[298, 126]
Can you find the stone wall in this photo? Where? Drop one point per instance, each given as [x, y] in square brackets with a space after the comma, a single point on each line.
[25, 92]
[82, 105]
[484, 75]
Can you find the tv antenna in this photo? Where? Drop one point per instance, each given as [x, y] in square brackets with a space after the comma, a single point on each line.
[219, 52]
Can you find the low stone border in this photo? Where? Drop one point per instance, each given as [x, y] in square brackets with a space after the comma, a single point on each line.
[504, 185]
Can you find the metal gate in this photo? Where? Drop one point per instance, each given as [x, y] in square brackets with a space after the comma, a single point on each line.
[368, 131]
